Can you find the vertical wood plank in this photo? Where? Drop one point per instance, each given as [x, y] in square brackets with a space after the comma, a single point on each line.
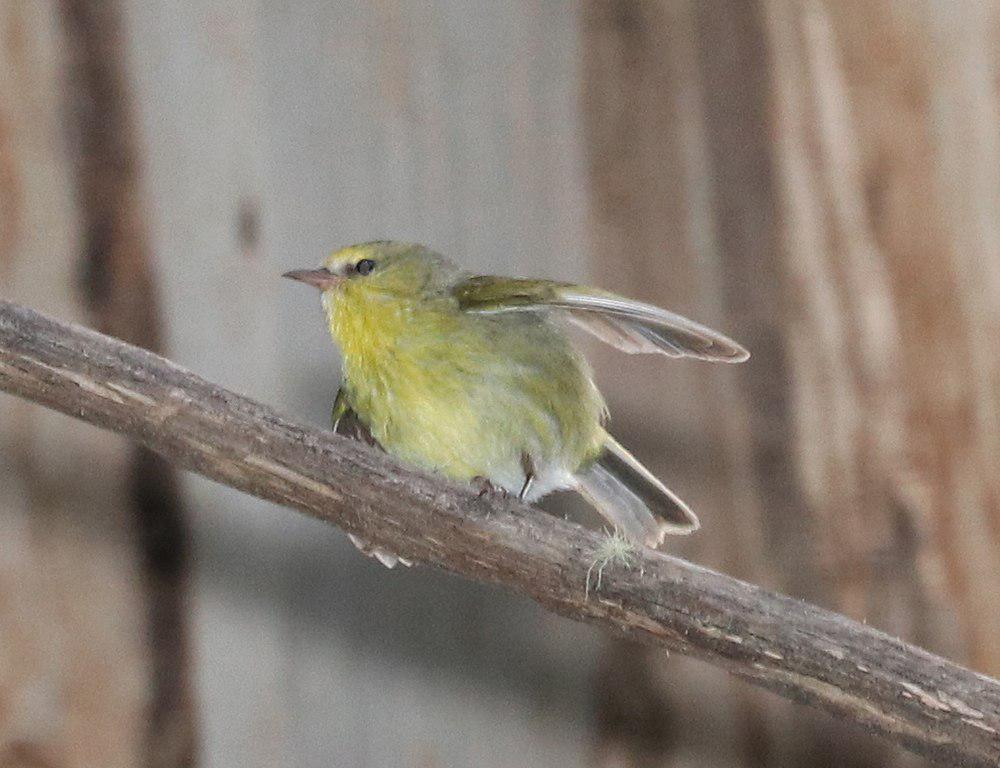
[94, 660]
[196, 72]
[931, 184]
[117, 279]
[829, 158]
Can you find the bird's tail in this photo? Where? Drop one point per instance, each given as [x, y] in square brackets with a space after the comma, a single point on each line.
[630, 498]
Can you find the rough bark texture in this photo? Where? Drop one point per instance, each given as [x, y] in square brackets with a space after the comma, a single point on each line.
[798, 650]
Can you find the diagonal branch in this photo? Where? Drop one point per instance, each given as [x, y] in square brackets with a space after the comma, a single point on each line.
[922, 701]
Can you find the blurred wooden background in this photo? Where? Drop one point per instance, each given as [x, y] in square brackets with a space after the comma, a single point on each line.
[821, 179]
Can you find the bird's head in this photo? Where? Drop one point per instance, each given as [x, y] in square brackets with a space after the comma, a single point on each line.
[380, 268]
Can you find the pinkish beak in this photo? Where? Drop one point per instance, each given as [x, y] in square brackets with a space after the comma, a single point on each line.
[320, 278]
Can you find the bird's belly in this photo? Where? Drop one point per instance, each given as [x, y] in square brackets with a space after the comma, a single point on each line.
[492, 419]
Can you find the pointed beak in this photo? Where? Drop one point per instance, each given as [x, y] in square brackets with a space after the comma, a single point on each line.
[319, 278]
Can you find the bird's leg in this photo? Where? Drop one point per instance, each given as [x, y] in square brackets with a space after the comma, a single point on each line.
[529, 475]
[528, 480]
[485, 486]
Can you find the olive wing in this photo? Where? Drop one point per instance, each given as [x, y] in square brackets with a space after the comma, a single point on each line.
[631, 326]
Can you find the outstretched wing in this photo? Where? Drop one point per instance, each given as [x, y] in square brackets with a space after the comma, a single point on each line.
[629, 325]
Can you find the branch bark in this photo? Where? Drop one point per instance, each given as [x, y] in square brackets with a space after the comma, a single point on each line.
[926, 703]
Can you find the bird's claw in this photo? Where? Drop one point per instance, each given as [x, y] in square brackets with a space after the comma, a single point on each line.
[484, 487]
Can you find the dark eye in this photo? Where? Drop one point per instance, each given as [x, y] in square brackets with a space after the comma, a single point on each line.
[365, 266]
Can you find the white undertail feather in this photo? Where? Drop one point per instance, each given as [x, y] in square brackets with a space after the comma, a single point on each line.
[632, 499]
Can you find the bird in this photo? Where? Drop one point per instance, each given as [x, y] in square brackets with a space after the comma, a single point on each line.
[474, 377]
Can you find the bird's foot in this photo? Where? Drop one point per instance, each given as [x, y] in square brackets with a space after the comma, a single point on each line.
[484, 486]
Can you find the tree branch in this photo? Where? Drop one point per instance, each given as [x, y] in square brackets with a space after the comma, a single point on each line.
[922, 701]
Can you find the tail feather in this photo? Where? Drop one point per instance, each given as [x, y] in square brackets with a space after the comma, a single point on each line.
[629, 497]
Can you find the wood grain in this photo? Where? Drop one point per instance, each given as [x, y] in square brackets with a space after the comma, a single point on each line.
[117, 282]
[77, 681]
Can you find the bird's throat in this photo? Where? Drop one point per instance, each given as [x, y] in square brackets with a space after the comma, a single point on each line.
[368, 328]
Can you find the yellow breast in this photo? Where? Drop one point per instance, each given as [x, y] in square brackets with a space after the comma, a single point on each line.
[463, 394]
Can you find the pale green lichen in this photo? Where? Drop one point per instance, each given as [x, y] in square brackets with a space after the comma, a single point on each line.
[613, 550]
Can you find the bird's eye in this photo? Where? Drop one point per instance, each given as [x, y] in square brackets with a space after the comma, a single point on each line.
[365, 266]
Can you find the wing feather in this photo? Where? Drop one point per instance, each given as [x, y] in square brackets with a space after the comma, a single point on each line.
[631, 326]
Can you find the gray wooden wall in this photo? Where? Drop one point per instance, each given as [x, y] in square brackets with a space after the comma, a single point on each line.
[272, 134]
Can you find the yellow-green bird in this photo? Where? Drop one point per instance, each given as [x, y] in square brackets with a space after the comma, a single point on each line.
[474, 377]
